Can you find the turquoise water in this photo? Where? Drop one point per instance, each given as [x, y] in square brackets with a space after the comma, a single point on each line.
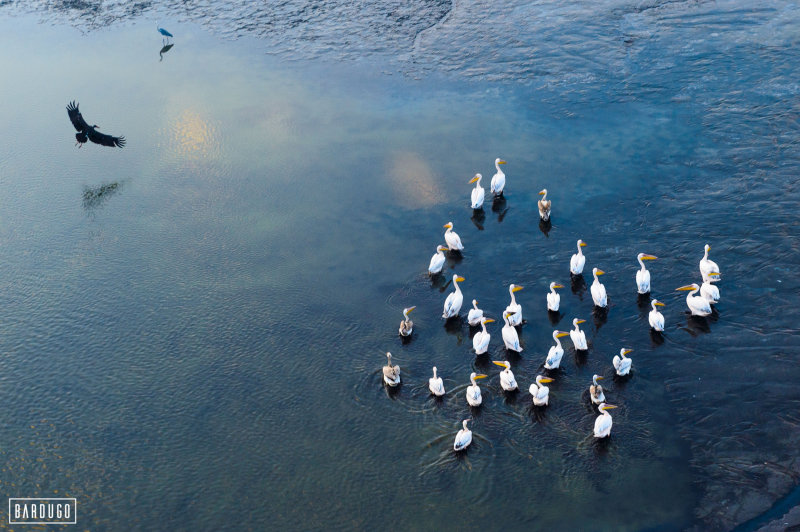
[193, 327]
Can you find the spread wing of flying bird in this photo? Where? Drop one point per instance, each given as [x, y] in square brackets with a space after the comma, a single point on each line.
[87, 132]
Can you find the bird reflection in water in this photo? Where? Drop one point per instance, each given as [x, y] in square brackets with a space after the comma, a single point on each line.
[95, 197]
[545, 227]
[554, 317]
[577, 284]
[478, 217]
[656, 337]
[500, 206]
[599, 316]
[697, 325]
[166, 48]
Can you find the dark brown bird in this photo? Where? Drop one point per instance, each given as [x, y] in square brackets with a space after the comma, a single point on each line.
[86, 132]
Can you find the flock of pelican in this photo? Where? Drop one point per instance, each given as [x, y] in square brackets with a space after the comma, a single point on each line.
[512, 318]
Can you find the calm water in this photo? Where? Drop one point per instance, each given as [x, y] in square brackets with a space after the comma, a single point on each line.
[193, 327]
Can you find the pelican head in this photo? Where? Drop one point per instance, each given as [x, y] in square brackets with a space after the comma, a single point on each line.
[645, 256]
[542, 379]
[408, 310]
[457, 278]
[515, 287]
[624, 351]
[464, 423]
[581, 244]
[448, 225]
[596, 378]
[476, 178]
[604, 406]
[559, 334]
[502, 363]
[543, 192]
[692, 286]
[597, 271]
[389, 357]
[499, 161]
[487, 320]
[707, 248]
[555, 285]
[657, 303]
[474, 376]
[713, 277]
[577, 321]
[441, 248]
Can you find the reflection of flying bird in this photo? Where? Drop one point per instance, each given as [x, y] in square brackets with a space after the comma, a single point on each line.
[86, 132]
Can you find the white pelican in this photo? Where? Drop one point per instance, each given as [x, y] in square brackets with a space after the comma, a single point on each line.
[463, 438]
[707, 265]
[577, 336]
[480, 342]
[578, 260]
[708, 290]
[556, 352]
[437, 261]
[507, 380]
[698, 305]
[474, 392]
[391, 374]
[602, 425]
[477, 193]
[452, 238]
[655, 318]
[514, 309]
[510, 336]
[435, 384]
[596, 391]
[498, 179]
[540, 393]
[598, 290]
[406, 326]
[452, 305]
[622, 363]
[475, 314]
[642, 275]
[553, 298]
[544, 206]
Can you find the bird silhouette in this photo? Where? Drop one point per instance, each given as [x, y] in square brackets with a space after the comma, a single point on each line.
[164, 32]
[86, 132]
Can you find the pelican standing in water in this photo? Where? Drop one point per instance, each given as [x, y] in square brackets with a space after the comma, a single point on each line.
[556, 352]
[596, 391]
[507, 380]
[598, 290]
[655, 318]
[514, 309]
[707, 265]
[407, 326]
[463, 438]
[553, 298]
[642, 275]
[452, 305]
[478, 192]
[708, 290]
[698, 305]
[437, 261]
[480, 342]
[622, 363]
[475, 314]
[577, 336]
[391, 374]
[435, 384]
[540, 392]
[544, 206]
[452, 238]
[510, 336]
[602, 425]
[474, 392]
[578, 260]
[498, 179]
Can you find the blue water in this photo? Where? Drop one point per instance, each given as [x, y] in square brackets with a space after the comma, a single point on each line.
[193, 327]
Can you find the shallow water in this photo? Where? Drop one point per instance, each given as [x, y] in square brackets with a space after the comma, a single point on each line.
[194, 325]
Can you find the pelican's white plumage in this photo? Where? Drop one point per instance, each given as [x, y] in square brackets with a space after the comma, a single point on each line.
[406, 326]
[435, 384]
[553, 297]
[498, 179]
[507, 380]
[556, 352]
[391, 374]
[544, 206]
[699, 306]
[452, 238]
[452, 305]
[708, 290]
[514, 309]
[642, 275]
[598, 290]
[596, 391]
[622, 364]
[473, 391]
[602, 425]
[577, 336]
[475, 314]
[510, 336]
[540, 392]
[478, 193]
[437, 261]
[463, 438]
[480, 342]
[578, 260]
[655, 318]
[707, 265]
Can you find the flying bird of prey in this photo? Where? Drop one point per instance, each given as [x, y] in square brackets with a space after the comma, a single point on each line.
[86, 132]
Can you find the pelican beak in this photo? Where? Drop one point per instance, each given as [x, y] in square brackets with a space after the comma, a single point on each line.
[448, 225]
[560, 334]
[489, 321]
[541, 193]
[410, 309]
[581, 321]
[517, 288]
[600, 378]
[501, 162]
[546, 379]
[659, 304]
[480, 376]
[713, 274]
[499, 363]
[583, 244]
[627, 351]
[473, 179]
[558, 286]
[600, 272]
[687, 287]
[649, 257]
[459, 279]
[607, 407]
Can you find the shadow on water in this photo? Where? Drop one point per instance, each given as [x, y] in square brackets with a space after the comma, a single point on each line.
[545, 227]
[578, 284]
[453, 258]
[96, 197]
[599, 316]
[580, 357]
[478, 217]
[500, 207]
[696, 325]
[656, 337]
[537, 413]
[166, 48]
[555, 317]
